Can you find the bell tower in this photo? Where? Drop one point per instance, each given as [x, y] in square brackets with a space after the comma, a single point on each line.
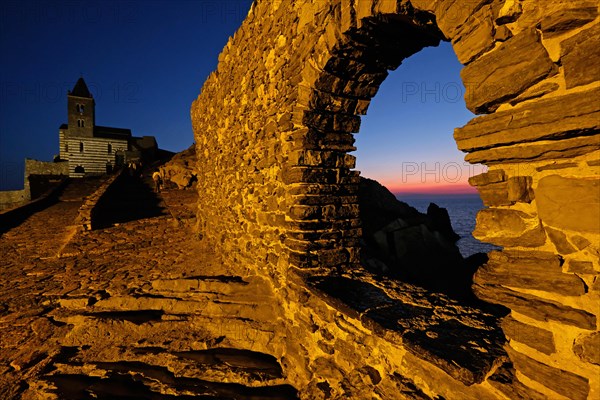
[80, 103]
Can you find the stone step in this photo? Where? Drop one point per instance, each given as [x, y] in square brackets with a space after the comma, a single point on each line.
[223, 284]
[247, 367]
[106, 331]
[156, 373]
[208, 307]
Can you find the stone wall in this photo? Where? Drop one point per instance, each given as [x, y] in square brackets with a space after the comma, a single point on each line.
[274, 123]
[35, 167]
[40, 176]
[87, 218]
[13, 198]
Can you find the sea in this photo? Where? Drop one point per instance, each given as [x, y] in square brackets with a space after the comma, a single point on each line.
[462, 209]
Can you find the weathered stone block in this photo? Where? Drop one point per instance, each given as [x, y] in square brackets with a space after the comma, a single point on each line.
[348, 15]
[580, 242]
[535, 92]
[323, 159]
[334, 257]
[555, 118]
[386, 6]
[506, 72]
[531, 270]
[567, 17]
[305, 212]
[519, 189]
[476, 37]
[332, 122]
[534, 307]
[581, 267]
[587, 347]
[341, 211]
[595, 287]
[333, 103]
[560, 241]
[364, 9]
[505, 380]
[303, 259]
[509, 228]
[555, 166]
[495, 194]
[510, 11]
[309, 175]
[493, 176]
[537, 338]
[580, 56]
[451, 15]
[502, 34]
[569, 203]
[560, 381]
[538, 151]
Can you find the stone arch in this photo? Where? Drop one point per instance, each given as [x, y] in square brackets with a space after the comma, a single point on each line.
[348, 76]
[274, 123]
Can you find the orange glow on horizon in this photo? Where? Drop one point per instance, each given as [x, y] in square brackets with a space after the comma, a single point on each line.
[434, 178]
[419, 188]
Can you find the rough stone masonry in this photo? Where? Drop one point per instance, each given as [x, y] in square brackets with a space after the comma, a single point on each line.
[275, 122]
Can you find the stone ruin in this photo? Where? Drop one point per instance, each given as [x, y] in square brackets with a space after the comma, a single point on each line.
[278, 194]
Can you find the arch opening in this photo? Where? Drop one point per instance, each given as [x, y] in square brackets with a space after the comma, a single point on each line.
[340, 95]
[376, 231]
[421, 230]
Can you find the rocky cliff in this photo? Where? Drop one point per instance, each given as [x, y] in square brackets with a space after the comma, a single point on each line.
[403, 243]
[180, 171]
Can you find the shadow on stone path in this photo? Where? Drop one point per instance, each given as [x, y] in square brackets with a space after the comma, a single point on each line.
[128, 199]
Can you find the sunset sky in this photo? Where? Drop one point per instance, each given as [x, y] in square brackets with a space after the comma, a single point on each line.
[145, 62]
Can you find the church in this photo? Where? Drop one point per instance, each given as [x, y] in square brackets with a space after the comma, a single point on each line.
[92, 149]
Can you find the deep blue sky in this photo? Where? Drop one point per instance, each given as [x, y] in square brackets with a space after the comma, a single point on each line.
[145, 62]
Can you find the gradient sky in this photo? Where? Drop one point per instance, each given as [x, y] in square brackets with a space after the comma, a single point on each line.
[145, 62]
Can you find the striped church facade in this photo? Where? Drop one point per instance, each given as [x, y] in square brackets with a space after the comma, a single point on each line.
[91, 155]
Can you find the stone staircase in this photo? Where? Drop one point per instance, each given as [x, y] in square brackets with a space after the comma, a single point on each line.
[192, 337]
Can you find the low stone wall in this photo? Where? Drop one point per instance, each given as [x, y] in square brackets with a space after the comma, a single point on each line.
[356, 336]
[39, 177]
[35, 167]
[11, 217]
[13, 198]
[86, 217]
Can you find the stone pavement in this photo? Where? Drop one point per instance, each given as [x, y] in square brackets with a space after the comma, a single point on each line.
[138, 309]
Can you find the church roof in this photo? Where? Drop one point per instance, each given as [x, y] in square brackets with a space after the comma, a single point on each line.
[80, 89]
[107, 132]
[111, 133]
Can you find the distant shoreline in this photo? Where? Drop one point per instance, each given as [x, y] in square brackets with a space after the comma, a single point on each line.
[401, 196]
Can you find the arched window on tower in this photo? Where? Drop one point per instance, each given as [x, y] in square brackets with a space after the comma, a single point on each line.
[81, 147]
[109, 148]
[66, 147]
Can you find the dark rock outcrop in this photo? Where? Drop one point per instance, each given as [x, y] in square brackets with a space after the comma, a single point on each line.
[401, 242]
[180, 170]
